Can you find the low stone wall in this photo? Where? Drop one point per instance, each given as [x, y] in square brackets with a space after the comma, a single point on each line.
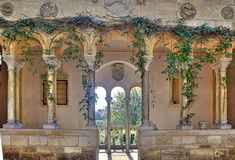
[187, 144]
[33, 144]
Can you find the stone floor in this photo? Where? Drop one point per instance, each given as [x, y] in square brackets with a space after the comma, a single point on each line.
[118, 155]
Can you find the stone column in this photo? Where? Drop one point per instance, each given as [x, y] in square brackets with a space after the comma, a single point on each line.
[91, 60]
[12, 64]
[18, 110]
[108, 100]
[221, 93]
[217, 94]
[127, 123]
[146, 95]
[53, 64]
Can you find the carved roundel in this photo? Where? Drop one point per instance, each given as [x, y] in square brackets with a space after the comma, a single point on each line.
[49, 9]
[187, 11]
[227, 12]
[140, 1]
[118, 8]
[7, 9]
[95, 1]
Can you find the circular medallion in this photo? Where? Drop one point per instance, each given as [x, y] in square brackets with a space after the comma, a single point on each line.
[7, 9]
[187, 11]
[49, 9]
[140, 1]
[118, 8]
[227, 12]
[95, 1]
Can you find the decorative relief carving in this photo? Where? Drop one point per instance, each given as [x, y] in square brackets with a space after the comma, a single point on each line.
[118, 8]
[49, 9]
[140, 1]
[7, 9]
[187, 11]
[95, 1]
[118, 71]
[227, 12]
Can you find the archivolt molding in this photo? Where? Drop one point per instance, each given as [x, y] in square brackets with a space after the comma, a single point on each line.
[41, 37]
[166, 40]
[60, 35]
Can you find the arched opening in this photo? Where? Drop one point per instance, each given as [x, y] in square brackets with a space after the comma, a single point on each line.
[135, 114]
[3, 93]
[118, 118]
[101, 115]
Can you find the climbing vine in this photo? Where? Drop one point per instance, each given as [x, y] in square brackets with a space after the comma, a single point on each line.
[185, 61]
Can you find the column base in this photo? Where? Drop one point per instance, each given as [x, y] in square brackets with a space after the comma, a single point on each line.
[146, 126]
[184, 127]
[91, 126]
[13, 125]
[51, 126]
[223, 126]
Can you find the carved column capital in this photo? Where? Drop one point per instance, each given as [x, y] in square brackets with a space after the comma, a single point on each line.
[148, 60]
[12, 62]
[108, 99]
[91, 59]
[52, 62]
[221, 64]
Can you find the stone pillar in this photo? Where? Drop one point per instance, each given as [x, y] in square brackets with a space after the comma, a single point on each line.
[127, 122]
[53, 64]
[221, 93]
[108, 100]
[217, 94]
[146, 95]
[18, 109]
[91, 60]
[12, 64]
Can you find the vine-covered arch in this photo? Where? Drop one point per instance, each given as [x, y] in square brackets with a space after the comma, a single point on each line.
[66, 39]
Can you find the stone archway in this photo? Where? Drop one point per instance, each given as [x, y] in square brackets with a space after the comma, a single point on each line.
[3, 94]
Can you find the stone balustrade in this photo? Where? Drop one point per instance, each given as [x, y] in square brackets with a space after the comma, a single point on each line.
[186, 144]
[50, 144]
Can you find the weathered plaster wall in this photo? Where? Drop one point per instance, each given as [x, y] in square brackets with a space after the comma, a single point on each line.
[104, 74]
[35, 114]
[167, 116]
[3, 94]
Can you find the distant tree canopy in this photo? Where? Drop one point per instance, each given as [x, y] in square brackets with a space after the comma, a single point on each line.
[118, 109]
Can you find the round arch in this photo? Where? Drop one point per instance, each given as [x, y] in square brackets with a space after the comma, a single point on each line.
[40, 38]
[53, 44]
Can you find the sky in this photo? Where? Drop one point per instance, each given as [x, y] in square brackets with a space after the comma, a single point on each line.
[101, 94]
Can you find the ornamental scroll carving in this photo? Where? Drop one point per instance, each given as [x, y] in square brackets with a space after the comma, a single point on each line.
[118, 8]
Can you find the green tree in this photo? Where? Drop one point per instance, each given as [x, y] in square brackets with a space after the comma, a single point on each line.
[118, 108]
[135, 106]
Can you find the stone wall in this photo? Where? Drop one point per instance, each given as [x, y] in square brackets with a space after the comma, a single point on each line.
[213, 12]
[50, 144]
[187, 144]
